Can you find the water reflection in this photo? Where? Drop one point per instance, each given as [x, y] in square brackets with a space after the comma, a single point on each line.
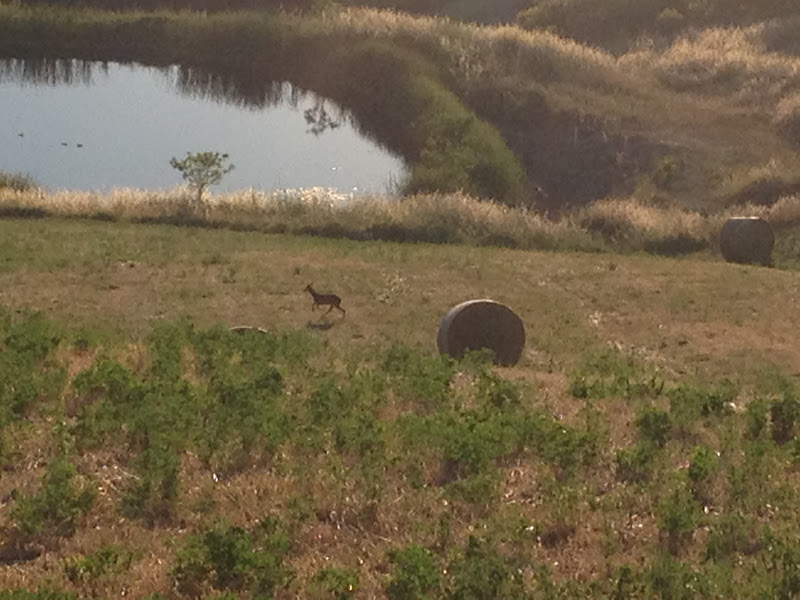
[247, 92]
[236, 89]
[50, 71]
[128, 121]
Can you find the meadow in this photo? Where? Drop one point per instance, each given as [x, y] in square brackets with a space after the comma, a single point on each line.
[645, 445]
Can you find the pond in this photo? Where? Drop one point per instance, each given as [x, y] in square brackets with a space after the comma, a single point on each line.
[97, 126]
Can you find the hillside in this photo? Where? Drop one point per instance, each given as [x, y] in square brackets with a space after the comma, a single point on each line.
[645, 444]
[524, 117]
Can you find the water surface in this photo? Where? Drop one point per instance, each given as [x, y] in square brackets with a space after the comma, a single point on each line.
[97, 126]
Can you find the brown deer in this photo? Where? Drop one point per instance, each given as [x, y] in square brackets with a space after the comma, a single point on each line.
[330, 300]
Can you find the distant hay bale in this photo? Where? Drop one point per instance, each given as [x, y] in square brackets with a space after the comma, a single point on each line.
[747, 240]
[478, 324]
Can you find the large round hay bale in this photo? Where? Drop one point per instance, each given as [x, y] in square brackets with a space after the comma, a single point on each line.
[747, 240]
[478, 324]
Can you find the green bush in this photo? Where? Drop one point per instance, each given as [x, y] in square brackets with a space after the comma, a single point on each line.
[610, 374]
[416, 574]
[232, 558]
[783, 562]
[228, 414]
[334, 583]
[702, 468]
[635, 465]
[109, 393]
[670, 578]
[58, 506]
[654, 426]
[105, 561]
[479, 489]
[496, 392]
[728, 536]
[419, 377]
[678, 514]
[784, 414]
[703, 465]
[687, 404]
[482, 572]
[27, 368]
[154, 493]
[757, 418]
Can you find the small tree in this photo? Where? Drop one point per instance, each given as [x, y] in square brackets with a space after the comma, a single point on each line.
[202, 169]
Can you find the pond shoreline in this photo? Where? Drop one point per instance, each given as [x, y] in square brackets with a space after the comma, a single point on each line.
[92, 125]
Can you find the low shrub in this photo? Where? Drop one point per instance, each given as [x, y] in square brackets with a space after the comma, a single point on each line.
[416, 574]
[155, 491]
[28, 370]
[481, 571]
[610, 374]
[235, 559]
[787, 119]
[678, 514]
[103, 562]
[635, 465]
[784, 415]
[730, 535]
[334, 583]
[687, 403]
[56, 509]
[654, 426]
[703, 467]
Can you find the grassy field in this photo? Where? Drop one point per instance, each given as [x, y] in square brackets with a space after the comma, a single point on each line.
[645, 445]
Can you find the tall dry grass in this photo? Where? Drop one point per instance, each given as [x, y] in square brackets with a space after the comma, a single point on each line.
[434, 218]
[474, 50]
[624, 224]
[733, 63]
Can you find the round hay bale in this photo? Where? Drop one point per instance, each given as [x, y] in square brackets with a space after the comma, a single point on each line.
[747, 240]
[477, 324]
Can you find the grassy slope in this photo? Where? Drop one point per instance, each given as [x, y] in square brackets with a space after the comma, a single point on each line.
[139, 274]
[691, 322]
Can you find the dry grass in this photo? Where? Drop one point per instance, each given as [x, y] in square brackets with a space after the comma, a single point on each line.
[475, 51]
[733, 79]
[729, 62]
[453, 218]
[623, 224]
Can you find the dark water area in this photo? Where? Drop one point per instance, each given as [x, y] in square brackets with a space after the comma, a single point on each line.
[96, 126]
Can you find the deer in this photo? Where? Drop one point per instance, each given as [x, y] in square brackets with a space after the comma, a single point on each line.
[330, 300]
